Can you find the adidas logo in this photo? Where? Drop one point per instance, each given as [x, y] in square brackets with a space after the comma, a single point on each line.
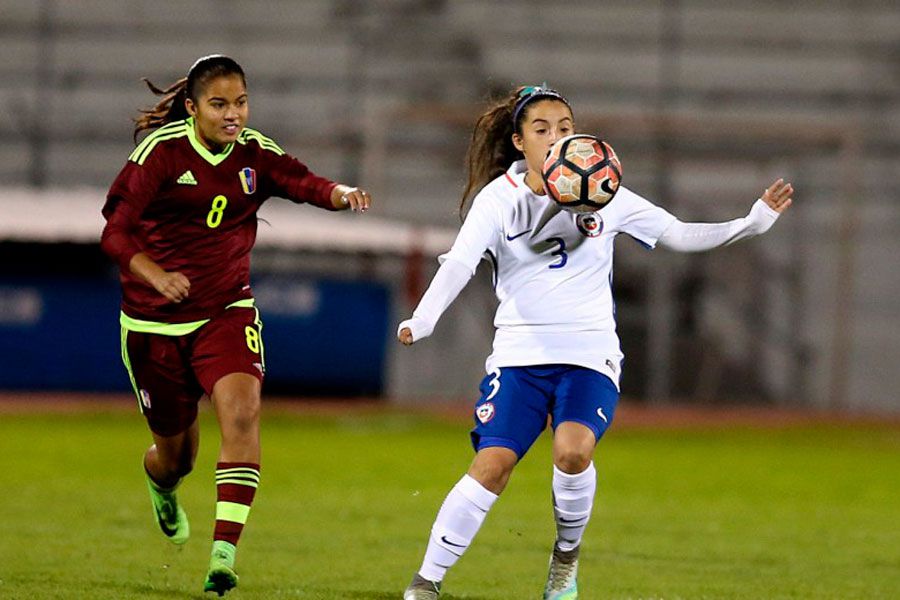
[187, 178]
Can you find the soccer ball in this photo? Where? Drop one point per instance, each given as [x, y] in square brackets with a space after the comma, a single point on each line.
[582, 173]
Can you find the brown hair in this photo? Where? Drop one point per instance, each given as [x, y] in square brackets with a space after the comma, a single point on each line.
[171, 107]
[491, 149]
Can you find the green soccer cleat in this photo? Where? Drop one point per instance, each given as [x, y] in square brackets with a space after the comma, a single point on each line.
[422, 589]
[221, 576]
[171, 517]
[561, 580]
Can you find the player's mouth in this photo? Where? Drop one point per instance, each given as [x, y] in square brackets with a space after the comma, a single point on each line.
[232, 129]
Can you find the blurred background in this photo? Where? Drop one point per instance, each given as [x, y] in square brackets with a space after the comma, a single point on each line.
[705, 101]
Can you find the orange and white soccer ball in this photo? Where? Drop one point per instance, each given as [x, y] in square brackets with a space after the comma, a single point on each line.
[582, 173]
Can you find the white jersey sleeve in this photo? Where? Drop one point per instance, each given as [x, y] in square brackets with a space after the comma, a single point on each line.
[479, 233]
[448, 282]
[697, 237]
[638, 217]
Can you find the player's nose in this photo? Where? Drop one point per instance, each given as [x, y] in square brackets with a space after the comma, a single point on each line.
[232, 113]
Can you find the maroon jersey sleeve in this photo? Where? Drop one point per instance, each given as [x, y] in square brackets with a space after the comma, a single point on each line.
[131, 192]
[287, 177]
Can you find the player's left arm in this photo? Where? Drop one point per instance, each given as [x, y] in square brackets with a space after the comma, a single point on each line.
[697, 237]
[291, 179]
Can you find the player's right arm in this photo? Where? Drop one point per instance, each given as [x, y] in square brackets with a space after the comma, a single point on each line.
[697, 237]
[171, 284]
[479, 232]
[133, 189]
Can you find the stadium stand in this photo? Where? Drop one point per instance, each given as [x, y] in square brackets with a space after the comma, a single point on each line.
[693, 94]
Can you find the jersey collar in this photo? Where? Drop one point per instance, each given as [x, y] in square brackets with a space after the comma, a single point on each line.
[213, 159]
[518, 169]
[516, 174]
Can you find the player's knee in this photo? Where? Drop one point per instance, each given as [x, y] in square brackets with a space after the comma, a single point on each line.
[573, 459]
[493, 472]
[245, 421]
[237, 401]
[491, 477]
[242, 414]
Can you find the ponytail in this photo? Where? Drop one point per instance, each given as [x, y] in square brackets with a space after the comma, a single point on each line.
[171, 106]
[491, 149]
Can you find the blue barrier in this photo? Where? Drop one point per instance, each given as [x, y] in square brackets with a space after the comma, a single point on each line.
[321, 337]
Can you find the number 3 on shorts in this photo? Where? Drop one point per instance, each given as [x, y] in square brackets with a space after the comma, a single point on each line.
[494, 383]
[252, 335]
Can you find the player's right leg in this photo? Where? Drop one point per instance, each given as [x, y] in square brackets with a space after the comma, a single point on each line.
[166, 463]
[459, 519]
[508, 418]
[167, 394]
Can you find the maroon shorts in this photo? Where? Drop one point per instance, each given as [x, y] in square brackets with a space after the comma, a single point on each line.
[171, 373]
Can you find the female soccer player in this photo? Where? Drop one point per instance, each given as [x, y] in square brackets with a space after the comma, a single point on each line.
[181, 221]
[556, 352]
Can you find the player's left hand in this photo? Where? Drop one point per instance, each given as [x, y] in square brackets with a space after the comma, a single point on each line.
[778, 196]
[356, 199]
[405, 336]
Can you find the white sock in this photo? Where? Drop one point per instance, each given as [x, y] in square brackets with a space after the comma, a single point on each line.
[573, 498]
[459, 519]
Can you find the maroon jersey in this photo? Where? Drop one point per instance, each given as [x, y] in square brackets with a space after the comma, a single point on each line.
[195, 212]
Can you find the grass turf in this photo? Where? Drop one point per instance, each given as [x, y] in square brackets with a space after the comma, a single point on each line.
[346, 502]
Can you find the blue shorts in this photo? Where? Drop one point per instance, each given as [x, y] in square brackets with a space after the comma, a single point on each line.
[516, 401]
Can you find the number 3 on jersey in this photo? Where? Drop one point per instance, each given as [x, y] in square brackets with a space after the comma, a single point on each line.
[214, 218]
[560, 252]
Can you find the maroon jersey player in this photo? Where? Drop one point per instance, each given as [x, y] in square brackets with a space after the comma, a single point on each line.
[181, 221]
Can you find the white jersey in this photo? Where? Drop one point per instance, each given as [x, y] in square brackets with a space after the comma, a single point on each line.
[553, 271]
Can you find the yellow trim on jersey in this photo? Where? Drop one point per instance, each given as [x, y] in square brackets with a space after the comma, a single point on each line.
[178, 129]
[245, 303]
[248, 135]
[171, 131]
[175, 329]
[213, 159]
[126, 360]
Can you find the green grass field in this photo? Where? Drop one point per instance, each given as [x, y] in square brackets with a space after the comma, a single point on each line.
[346, 503]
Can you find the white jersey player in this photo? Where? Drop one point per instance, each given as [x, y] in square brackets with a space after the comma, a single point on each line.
[556, 353]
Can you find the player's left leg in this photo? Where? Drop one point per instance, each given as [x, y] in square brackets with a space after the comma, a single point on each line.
[574, 484]
[236, 398]
[228, 360]
[586, 402]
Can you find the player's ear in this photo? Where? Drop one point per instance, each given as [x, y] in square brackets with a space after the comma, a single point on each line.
[189, 106]
[517, 142]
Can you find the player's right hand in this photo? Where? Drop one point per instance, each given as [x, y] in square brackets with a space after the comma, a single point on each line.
[173, 285]
[778, 196]
[413, 330]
